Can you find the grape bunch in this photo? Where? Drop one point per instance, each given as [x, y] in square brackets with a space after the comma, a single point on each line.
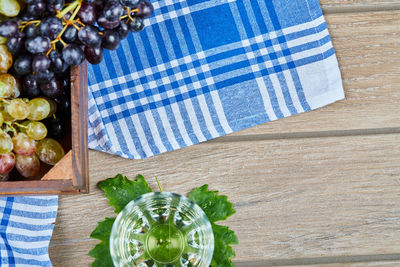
[23, 135]
[39, 42]
[25, 126]
[50, 36]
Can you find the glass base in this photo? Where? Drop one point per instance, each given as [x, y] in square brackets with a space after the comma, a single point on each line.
[165, 243]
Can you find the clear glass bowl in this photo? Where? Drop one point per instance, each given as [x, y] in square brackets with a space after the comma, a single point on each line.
[162, 229]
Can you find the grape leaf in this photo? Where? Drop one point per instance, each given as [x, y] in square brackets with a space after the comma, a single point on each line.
[216, 207]
[101, 252]
[120, 190]
[223, 237]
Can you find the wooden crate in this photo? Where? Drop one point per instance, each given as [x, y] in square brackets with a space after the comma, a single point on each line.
[71, 174]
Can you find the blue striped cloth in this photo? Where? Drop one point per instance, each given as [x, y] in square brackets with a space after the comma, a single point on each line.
[26, 225]
[206, 68]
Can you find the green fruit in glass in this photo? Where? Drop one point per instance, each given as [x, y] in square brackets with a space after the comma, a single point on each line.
[162, 229]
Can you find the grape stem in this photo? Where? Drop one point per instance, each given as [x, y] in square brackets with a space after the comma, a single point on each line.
[69, 8]
[159, 185]
[5, 101]
[10, 128]
[20, 125]
[26, 23]
[75, 6]
[129, 13]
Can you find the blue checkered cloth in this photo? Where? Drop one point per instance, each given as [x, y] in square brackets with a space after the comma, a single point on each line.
[202, 69]
[26, 225]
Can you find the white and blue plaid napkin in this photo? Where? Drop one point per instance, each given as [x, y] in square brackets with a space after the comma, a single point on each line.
[205, 68]
[26, 226]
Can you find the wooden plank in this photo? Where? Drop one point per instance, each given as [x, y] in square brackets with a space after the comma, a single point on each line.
[368, 48]
[294, 198]
[62, 170]
[79, 125]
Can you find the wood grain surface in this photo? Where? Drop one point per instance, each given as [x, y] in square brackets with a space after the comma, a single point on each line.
[293, 199]
[321, 188]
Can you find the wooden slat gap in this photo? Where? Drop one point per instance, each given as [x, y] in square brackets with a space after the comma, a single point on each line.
[321, 260]
[302, 135]
[361, 8]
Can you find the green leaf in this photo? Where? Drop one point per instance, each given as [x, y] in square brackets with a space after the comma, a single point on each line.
[120, 190]
[101, 252]
[103, 230]
[223, 252]
[216, 207]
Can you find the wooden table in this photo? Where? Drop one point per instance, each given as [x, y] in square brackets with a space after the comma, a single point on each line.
[318, 188]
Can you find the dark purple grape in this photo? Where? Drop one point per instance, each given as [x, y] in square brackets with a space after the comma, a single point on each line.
[130, 3]
[145, 9]
[136, 25]
[73, 55]
[55, 5]
[40, 63]
[50, 27]
[8, 28]
[52, 89]
[30, 87]
[87, 13]
[66, 81]
[26, 17]
[37, 45]
[44, 76]
[55, 127]
[113, 10]
[89, 36]
[36, 8]
[23, 64]
[15, 43]
[93, 54]
[110, 40]
[108, 24]
[70, 34]
[123, 30]
[31, 31]
[57, 63]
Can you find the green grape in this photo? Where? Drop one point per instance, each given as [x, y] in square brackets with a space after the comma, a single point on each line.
[3, 40]
[10, 8]
[6, 144]
[53, 106]
[7, 85]
[49, 151]
[24, 145]
[6, 59]
[18, 109]
[39, 109]
[1, 118]
[35, 130]
[6, 116]
[17, 89]
[27, 166]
